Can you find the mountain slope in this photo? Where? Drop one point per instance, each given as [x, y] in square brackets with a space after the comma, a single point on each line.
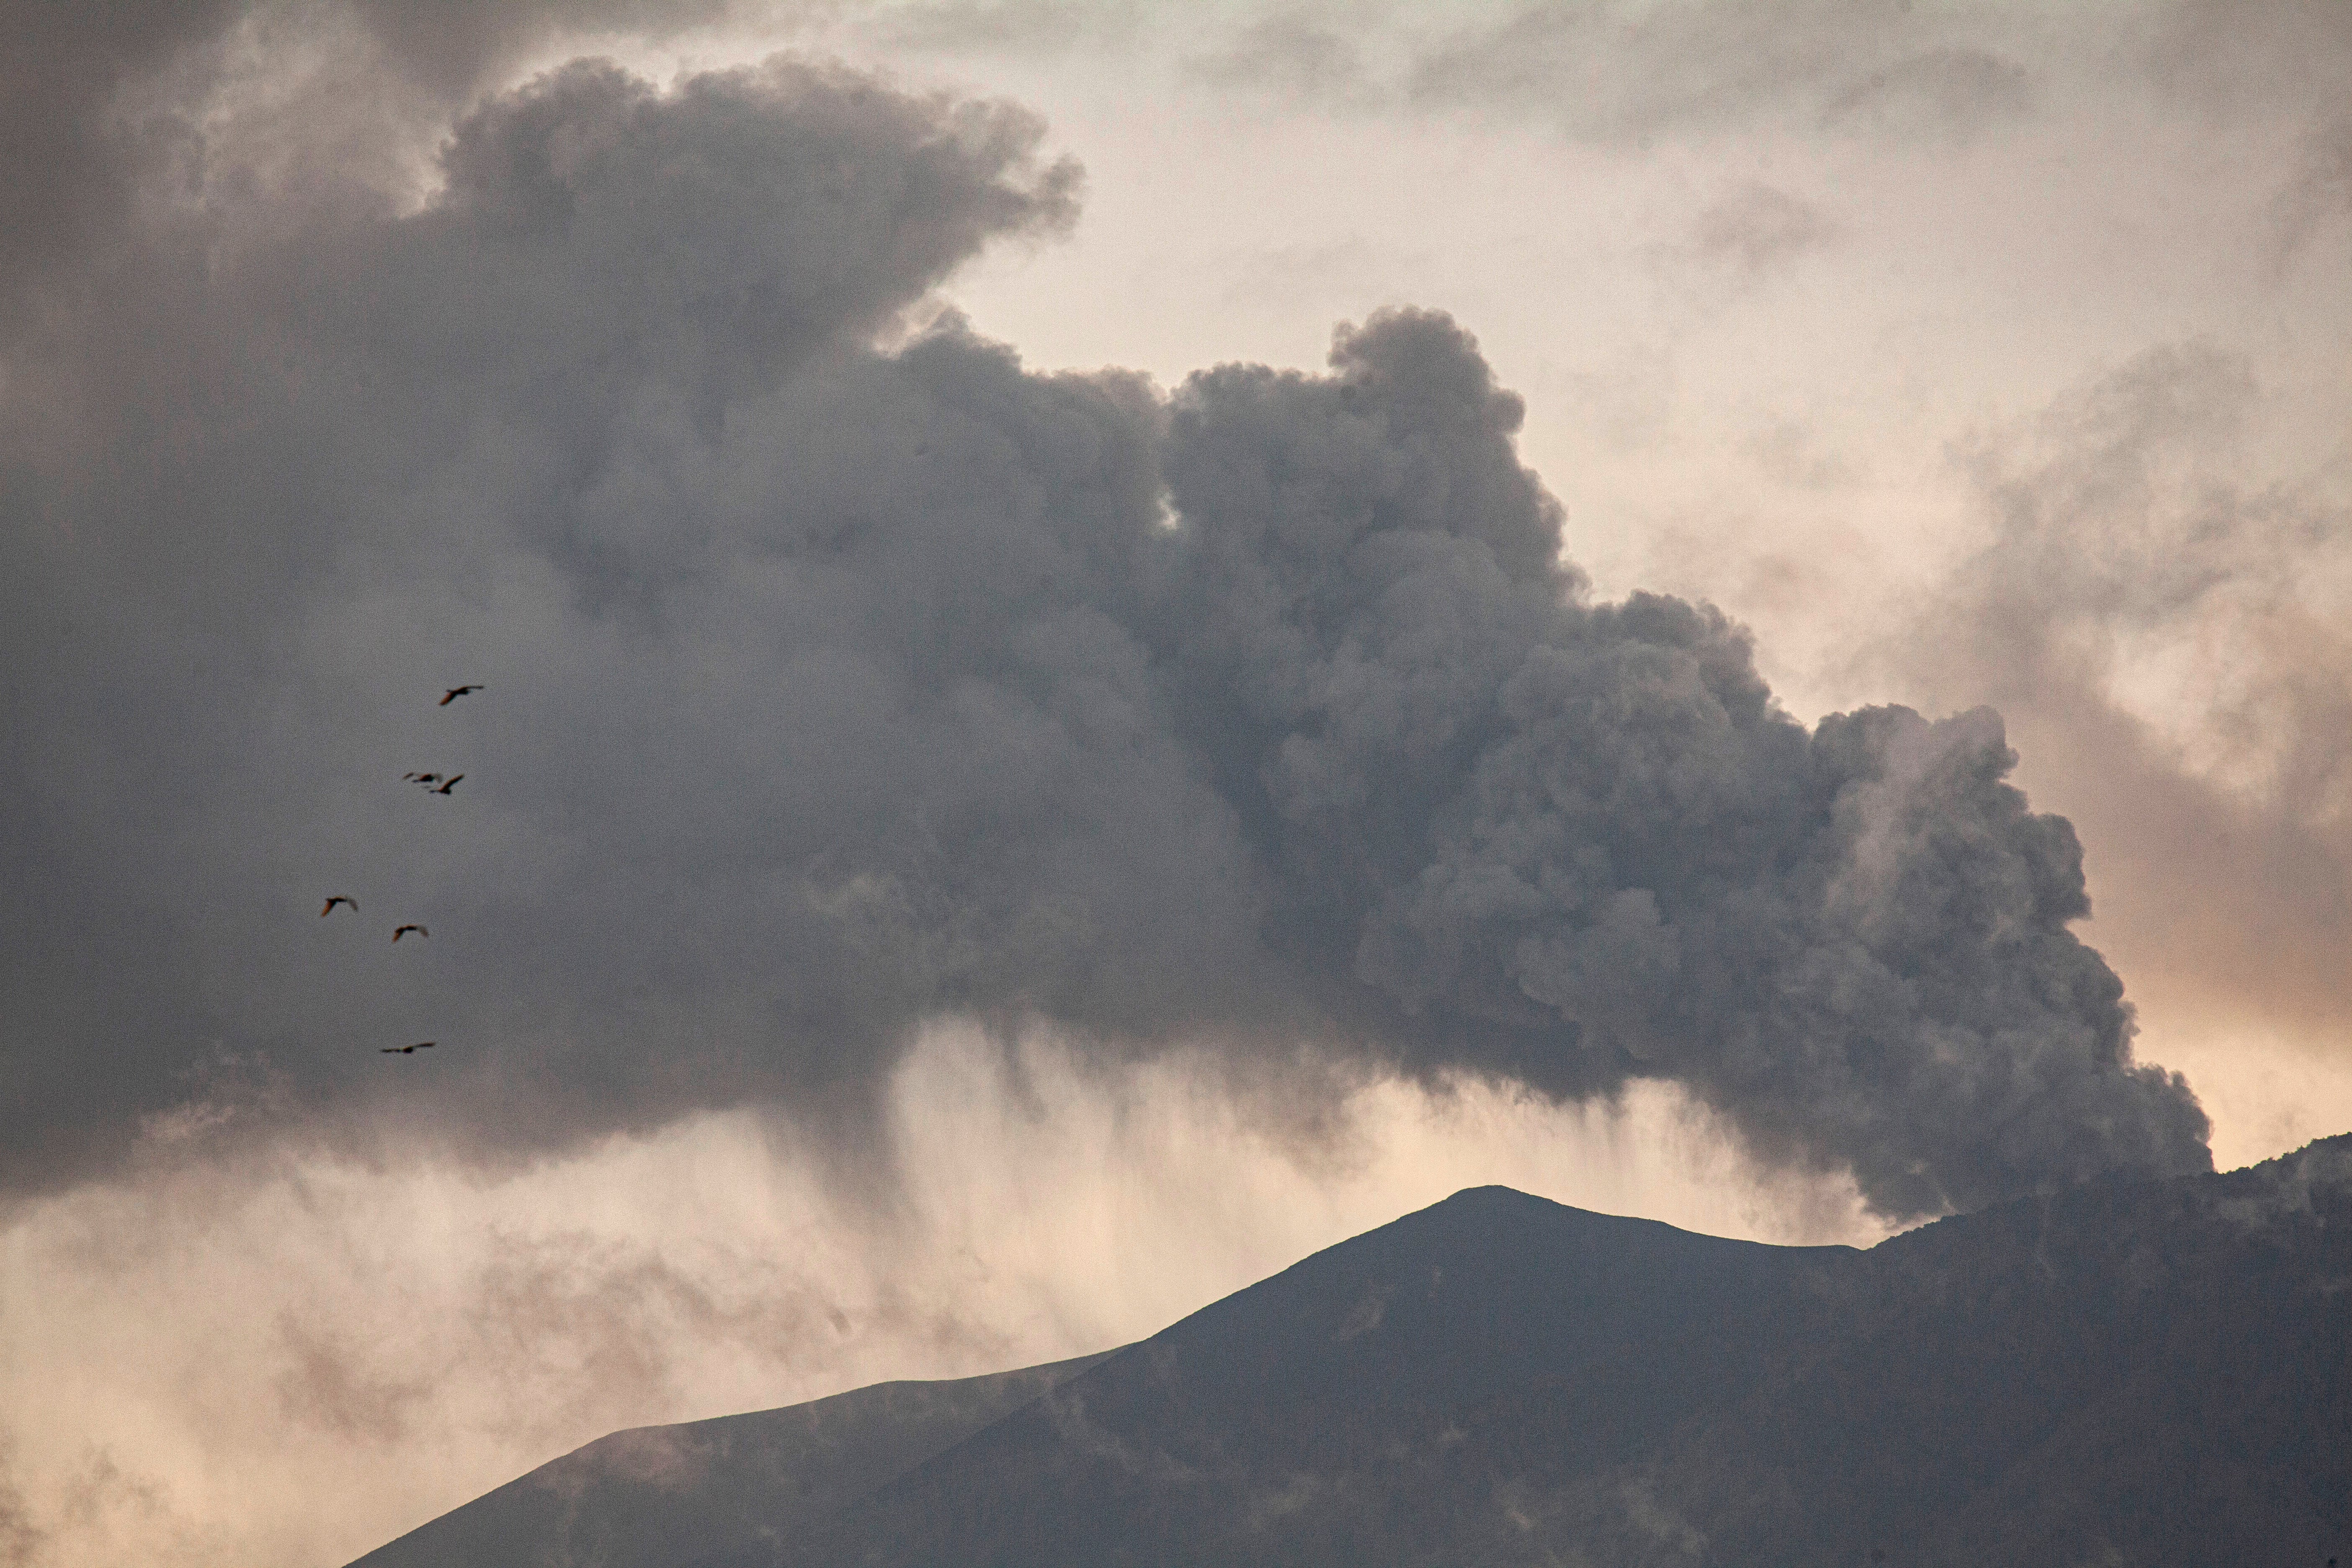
[669, 1494]
[1362, 1404]
[2125, 1374]
[2120, 1373]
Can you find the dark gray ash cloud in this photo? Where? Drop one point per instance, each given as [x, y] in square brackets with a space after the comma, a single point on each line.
[832, 688]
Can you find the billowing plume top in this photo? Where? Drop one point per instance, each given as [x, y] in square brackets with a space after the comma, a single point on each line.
[710, 237]
[831, 689]
[1572, 843]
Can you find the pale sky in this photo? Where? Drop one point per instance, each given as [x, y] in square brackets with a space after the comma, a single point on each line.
[1964, 355]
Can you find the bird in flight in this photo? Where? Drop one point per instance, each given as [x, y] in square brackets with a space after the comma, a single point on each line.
[338, 898]
[447, 784]
[404, 1050]
[453, 693]
[399, 932]
[428, 780]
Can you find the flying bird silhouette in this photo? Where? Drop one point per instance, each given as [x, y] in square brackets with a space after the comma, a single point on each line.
[453, 693]
[446, 787]
[404, 1050]
[338, 898]
[399, 932]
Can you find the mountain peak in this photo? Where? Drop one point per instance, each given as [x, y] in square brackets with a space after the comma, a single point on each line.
[2130, 1371]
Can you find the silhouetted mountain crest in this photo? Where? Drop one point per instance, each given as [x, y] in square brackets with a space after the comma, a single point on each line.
[2128, 1372]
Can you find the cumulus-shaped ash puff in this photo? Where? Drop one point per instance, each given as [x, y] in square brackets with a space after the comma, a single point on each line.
[838, 688]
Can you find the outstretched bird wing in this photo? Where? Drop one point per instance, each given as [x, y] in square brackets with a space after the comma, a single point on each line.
[453, 693]
[445, 788]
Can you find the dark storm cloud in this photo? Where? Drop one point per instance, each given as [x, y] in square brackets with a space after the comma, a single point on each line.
[831, 689]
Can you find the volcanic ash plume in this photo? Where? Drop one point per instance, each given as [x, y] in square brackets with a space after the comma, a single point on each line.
[831, 688]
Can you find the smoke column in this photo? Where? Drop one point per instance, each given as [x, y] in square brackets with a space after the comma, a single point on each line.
[833, 688]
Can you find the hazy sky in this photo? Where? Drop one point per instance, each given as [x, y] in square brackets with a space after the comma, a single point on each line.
[962, 862]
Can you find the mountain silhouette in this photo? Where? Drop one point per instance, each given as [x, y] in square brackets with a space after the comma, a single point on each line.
[663, 1495]
[2127, 1373]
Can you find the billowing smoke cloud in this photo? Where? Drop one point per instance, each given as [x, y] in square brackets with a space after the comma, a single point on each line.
[833, 688]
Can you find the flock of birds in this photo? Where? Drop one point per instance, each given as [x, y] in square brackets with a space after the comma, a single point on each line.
[434, 783]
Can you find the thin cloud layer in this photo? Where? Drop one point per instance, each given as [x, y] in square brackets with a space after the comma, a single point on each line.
[1756, 228]
[1621, 72]
[2135, 576]
[1625, 73]
[831, 690]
